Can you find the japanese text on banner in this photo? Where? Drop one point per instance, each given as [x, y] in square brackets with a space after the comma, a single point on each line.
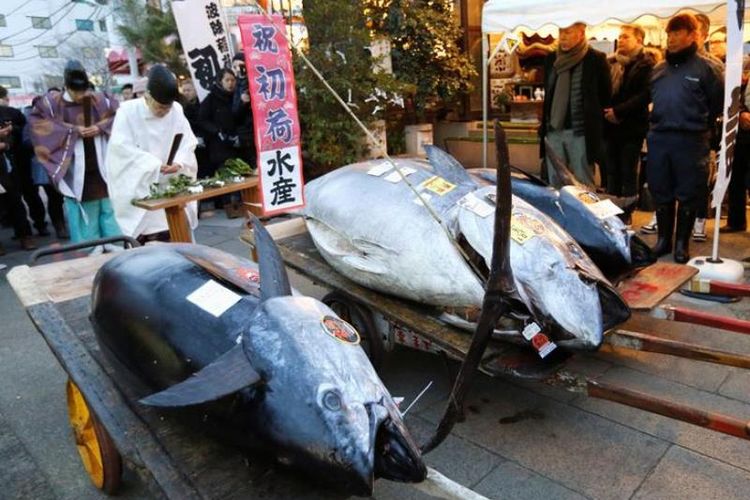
[274, 103]
[204, 41]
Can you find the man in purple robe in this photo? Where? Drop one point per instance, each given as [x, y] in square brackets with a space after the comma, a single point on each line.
[69, 132]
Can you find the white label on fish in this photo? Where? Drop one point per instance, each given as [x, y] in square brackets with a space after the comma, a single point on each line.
[604, 209]
[395, 177]
[476, 205]
[214, 298]
[380, 169]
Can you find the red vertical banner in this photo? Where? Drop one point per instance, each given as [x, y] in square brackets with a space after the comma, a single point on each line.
[273, 99]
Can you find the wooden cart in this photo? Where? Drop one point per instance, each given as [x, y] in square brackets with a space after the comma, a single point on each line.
[112, 430]
[385, 322]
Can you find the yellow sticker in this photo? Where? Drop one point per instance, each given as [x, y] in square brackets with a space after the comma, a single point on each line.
[438, 185]
[524, 227]
[519, 232]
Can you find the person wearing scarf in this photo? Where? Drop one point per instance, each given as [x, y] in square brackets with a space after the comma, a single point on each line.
[577, 88]
[687, 95]
[627, 119]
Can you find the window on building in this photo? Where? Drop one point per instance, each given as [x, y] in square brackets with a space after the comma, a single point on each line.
[40, 23]
[47, 52]
[6, 51]
[102, 25]
[3, 24]
[84, 25]
[12, 82]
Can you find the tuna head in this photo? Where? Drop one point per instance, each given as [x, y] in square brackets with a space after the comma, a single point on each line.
[326, 403]
[317, 405]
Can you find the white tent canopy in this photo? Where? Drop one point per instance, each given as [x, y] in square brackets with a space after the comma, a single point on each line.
[507, 15]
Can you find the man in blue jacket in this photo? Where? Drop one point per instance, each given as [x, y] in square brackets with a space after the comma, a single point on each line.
[686, 91]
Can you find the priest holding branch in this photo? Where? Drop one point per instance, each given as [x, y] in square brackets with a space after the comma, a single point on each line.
[151, 141]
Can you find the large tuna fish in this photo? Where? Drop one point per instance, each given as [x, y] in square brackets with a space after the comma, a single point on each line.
[373, 229]
[282, 374]
[615, 249]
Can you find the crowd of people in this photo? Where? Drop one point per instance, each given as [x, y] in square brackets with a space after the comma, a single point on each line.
[609, 111]
[91, 154]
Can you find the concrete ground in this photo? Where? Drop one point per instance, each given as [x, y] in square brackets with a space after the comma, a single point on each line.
[520, 440]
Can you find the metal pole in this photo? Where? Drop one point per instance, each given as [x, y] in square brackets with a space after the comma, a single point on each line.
[485, 139]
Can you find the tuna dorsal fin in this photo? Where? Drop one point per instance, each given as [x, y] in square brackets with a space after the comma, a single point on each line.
[274, 282]
[447, 167]
[564, 174]
[229, 373]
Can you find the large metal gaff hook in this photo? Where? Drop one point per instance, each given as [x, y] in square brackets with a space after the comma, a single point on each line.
[500, 287]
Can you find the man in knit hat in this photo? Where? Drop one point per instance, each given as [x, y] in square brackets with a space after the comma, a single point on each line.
[687, 95]
[69, 132]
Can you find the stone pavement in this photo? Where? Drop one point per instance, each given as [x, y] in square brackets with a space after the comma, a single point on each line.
[520, 440]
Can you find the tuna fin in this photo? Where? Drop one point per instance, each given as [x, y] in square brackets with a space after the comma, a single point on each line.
[447, 167]
[274, 282]
[229, 373]
[500, 287]
[561, 169]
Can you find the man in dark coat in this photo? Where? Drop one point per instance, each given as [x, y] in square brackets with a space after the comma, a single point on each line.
[686, 90]
[577, 89]
[627, 118]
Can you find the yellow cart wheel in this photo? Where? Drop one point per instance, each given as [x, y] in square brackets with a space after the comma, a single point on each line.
[98, 453]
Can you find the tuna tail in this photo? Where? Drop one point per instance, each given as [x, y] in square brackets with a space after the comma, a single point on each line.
[274, 282]
[229, 373]
[447, 167]
[564, 174]
[500, 288]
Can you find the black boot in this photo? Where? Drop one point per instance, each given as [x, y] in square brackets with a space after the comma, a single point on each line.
[665, 228]
[685, 221]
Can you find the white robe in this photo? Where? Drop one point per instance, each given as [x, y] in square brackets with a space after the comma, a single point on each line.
[138, 147]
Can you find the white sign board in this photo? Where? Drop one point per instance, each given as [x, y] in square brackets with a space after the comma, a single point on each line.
[203, 34]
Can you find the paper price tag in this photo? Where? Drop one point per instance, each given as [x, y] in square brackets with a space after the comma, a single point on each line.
[604, 209]
[530, 331]
[214, 298]
[476, 205]
[438, 185]
[543, 345]
[380, 169]
[395, 177]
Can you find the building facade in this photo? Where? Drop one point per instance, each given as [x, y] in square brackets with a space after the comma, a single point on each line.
[37, 37]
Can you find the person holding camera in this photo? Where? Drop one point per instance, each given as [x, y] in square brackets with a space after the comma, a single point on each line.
[12, 190]
[218, 122]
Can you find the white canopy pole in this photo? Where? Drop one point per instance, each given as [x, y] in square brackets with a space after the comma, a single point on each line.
[485, 111]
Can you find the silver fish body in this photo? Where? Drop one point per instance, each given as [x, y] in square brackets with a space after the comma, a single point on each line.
[378, 234]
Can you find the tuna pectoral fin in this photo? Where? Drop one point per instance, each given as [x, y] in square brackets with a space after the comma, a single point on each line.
[614, 309]
[229, 373]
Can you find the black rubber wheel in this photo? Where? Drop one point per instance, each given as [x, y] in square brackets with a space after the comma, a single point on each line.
[360, 317]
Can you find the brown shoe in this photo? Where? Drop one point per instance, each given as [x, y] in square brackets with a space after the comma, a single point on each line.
[27, 243]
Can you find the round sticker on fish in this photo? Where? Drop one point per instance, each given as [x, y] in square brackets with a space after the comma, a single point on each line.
[340, 330]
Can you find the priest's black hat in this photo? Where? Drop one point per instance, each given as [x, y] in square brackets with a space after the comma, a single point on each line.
[162, 84]
[75, 76]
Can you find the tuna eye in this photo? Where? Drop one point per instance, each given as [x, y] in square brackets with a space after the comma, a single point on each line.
[332, 401]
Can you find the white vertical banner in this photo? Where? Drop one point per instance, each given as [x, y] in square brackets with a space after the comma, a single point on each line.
[204, 37]
[732, 97]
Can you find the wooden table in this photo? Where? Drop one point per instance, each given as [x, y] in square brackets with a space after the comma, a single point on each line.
[179, 228]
